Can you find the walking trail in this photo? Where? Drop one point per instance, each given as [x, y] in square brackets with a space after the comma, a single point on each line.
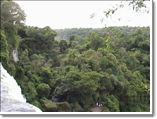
[96, 109]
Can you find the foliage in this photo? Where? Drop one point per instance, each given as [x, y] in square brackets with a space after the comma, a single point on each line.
[109, 65]
[43, 90]
[63, 107]
[4, 56]
[48, 105]
[112, 103]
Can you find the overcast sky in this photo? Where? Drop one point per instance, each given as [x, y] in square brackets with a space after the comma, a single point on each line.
[76, 14]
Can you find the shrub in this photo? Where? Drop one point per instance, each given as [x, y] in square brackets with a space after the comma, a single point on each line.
[48, 105]
[43, 90]
[64, 107]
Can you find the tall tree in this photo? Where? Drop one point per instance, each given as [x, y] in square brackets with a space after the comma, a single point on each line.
[12, 16]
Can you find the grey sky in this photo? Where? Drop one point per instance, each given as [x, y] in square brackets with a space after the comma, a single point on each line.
[76, 14]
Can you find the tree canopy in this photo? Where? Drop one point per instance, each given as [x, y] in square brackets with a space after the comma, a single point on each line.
[108, 66]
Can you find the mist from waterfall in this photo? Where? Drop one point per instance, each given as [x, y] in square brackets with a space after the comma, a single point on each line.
[12, 99]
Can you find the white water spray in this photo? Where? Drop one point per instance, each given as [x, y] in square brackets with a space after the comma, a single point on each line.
[15, 55]
[12, 99]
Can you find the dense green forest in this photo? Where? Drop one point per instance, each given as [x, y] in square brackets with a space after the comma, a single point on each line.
[65, 34]
[109, 66]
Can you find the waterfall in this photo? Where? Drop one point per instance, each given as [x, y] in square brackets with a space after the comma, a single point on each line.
[12, 99]
[15, 55]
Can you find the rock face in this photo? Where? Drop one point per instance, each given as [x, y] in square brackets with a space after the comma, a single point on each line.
[12, 99]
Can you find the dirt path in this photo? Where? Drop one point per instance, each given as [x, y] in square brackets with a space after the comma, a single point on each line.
[96, 109]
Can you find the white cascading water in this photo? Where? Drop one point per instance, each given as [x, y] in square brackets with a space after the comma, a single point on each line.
[12, 99]
[15, 55]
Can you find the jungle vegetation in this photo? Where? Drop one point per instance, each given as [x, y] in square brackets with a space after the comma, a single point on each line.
[110, 65]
